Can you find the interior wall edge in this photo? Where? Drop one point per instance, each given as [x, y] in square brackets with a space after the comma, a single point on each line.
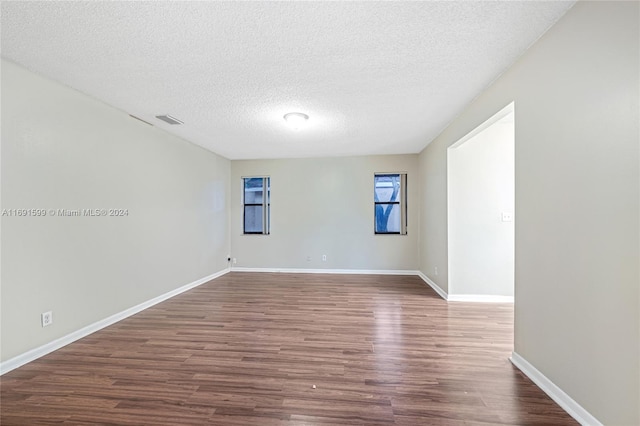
[568, 404]
[433, 285]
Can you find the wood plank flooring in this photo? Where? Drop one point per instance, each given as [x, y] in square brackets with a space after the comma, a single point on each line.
[247, 348]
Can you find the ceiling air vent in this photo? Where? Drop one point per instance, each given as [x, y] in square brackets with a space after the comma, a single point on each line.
[169, 119]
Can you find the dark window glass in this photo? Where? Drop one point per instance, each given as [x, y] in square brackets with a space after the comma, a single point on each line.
[256, 214]
[390, 203]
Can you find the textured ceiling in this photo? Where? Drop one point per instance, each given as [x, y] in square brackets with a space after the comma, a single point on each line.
[374, 77]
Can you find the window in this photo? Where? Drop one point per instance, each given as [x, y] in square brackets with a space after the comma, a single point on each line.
[390, 203]
[257, 203]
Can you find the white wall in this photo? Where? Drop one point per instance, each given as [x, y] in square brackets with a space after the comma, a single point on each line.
[64, 150]
[481, 188]
[324, 206]
[577, 213]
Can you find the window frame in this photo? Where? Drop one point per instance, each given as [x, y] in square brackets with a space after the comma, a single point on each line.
[266, 205]
[402, 203]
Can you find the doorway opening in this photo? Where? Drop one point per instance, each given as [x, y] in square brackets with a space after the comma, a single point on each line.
[481, 207]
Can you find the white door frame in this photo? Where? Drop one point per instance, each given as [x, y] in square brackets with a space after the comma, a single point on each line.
[509, 109]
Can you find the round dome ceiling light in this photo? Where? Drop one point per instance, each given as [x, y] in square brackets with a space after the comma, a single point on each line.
[296, 120]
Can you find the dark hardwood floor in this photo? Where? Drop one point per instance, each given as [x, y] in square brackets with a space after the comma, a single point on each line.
[247, 348]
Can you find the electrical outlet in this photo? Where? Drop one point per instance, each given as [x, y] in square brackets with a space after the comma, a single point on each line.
[324, 257]
[235, 260]
[308, 258]
[436, 270]
[46, 318]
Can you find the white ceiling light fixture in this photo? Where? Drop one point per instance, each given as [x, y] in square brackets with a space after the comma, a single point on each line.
[296, 120]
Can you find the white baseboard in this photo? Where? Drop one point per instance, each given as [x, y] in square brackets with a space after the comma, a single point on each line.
[464, 297]
[482, 298]
[426, 279]
[327, 271]
[47, 348]
[433, 285]
[567, 403]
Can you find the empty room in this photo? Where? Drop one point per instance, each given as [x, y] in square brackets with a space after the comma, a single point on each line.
[320, 213]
